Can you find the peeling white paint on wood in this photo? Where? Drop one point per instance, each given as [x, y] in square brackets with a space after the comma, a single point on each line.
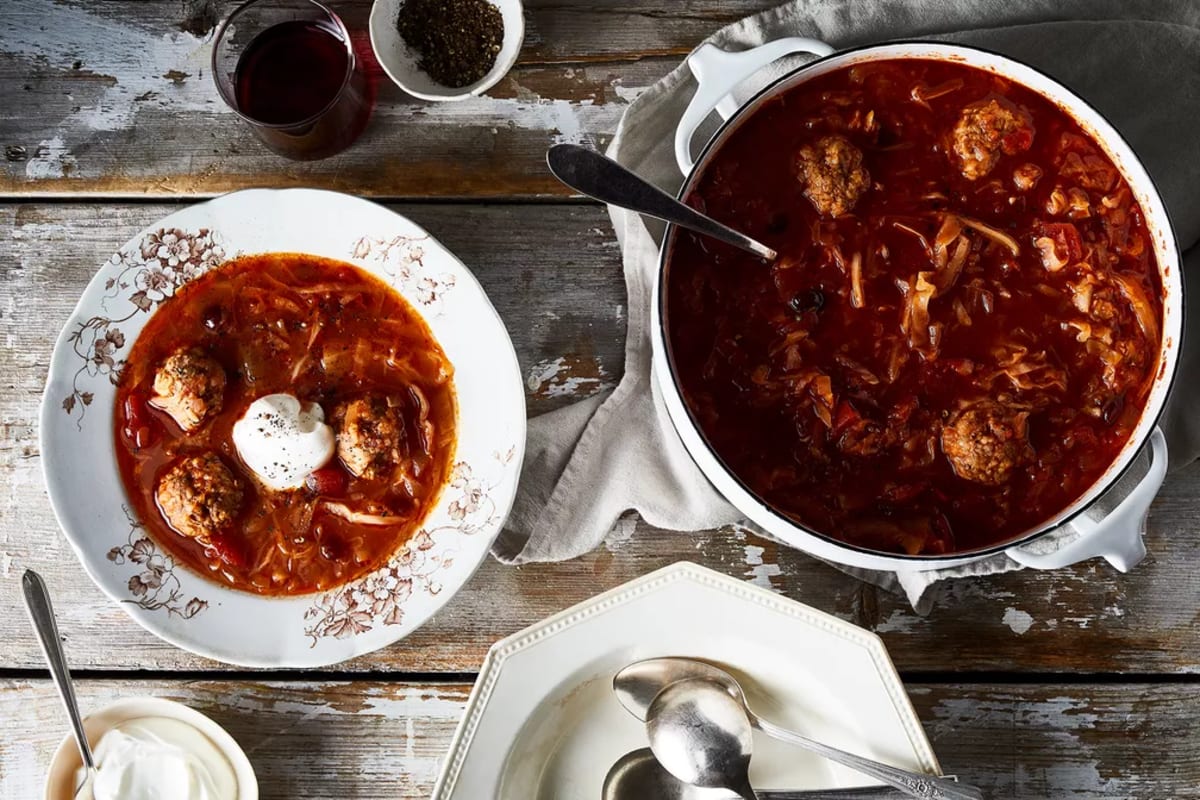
[568, 377]
[51, 159]
[135, 66]
[566, 121]
[1019, 622]
[759, 572]
[900, 621]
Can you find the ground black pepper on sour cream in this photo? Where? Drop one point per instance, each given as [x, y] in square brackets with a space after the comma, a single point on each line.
[283, 440]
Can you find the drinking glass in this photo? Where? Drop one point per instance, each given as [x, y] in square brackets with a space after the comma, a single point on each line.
[288, 68]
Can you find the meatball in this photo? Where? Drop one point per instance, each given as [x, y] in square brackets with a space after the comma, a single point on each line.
[371, 437]
[190, 387]
[985, 131]
[199, 496]
[986, 442]
[833, 175]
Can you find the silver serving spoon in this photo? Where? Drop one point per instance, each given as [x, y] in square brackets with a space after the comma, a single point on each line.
[603, 179]
[638, 775]
[41, 612]
[702, 736]
[638, 686]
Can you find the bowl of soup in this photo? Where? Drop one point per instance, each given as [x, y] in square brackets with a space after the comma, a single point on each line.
[282, 428]
[972, 325]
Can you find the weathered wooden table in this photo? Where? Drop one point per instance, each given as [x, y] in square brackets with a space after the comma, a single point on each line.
[1079, 683]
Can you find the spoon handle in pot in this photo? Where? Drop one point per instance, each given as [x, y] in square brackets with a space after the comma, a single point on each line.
[927, 787]
[603, 179]
[41, 612]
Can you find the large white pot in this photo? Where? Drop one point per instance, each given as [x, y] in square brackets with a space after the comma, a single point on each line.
[1118, 538]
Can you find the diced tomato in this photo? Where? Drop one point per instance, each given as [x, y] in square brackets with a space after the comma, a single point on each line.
[1018, 141]
[334, 548]
[329, 481]
[140, 428]
[226, 547]
[845, 416]
[144, 437]
[1066, 239]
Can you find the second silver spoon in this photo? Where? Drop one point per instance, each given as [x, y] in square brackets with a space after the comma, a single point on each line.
[702, 736]
[639, 685]
[603, 179]
[638, 776]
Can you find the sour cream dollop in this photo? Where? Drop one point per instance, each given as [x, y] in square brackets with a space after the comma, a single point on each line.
[152, 758]
[283, 440]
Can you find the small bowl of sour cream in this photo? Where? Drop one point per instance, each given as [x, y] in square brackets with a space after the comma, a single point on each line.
[148, 748]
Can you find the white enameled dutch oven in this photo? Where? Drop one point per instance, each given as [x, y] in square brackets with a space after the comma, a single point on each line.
[1118, 538]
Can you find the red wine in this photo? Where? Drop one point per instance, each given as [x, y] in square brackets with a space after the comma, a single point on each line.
[290, 72]
[291, 81]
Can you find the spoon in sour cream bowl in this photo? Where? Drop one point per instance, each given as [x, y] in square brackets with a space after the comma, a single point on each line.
[41, 612]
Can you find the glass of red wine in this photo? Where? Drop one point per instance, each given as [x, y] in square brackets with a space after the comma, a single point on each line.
[288, 68]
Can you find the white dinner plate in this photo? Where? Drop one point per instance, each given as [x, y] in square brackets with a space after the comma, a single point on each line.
[190, 610]
[542, 722]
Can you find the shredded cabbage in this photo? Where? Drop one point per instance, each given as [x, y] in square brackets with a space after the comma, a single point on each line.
[857, 299]
[995, 234]
[1137, 298]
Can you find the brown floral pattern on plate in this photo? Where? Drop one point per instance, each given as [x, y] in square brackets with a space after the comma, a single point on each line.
[401, 258]
[145, 275]
[154, 584]
[379, 598]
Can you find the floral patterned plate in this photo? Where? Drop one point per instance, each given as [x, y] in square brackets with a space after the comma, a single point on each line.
[190, 610]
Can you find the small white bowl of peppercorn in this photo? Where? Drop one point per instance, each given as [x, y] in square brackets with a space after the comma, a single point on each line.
[447, 49]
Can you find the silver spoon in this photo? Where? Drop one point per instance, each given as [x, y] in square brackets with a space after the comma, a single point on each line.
[638, 775]
[702, 736]
[603, 179]
[638, 685]
[41, 612]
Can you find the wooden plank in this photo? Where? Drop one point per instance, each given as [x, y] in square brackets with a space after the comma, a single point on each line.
[117, 98]
[377, 740]
[563, 302]
[1138, 742]
[140, 115]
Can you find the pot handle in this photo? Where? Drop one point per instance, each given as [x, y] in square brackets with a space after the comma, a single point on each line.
[1117, 537]
[718, 72]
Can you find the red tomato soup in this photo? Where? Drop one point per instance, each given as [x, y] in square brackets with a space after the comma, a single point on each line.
[962, 328]
[329, 334]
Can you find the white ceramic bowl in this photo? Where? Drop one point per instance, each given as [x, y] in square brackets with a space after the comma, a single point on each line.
[60, 778]
[190, 610]
[400, 62]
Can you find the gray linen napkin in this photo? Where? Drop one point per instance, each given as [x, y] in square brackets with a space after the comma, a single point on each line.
[1137, 61]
